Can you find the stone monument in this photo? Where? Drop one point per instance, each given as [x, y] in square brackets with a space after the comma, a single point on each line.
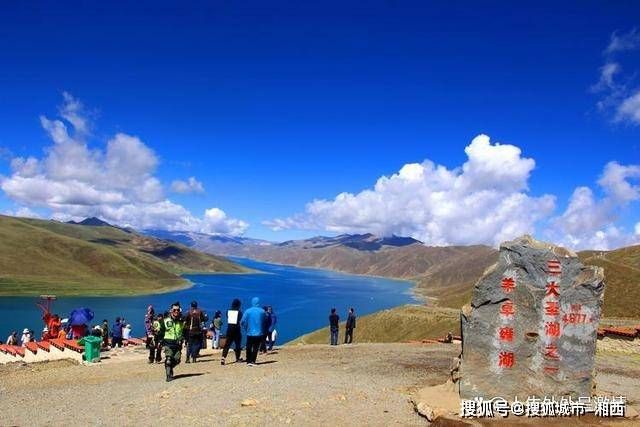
[531, 329]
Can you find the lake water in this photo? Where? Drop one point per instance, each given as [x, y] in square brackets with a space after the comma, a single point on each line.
[300, 297]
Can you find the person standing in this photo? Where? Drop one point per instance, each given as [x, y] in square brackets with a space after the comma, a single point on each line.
[350, 326]
[265, 328]
[172, 331]
[334, 326]
[13, 338]
[271, 331]
[193, 331]
[105, 333]
[217, 328]
[155, 343]
[26, 337]
[234, 333]
[254, 325]
[116, 333]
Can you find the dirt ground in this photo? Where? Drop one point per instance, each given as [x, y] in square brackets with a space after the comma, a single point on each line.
[359, 384]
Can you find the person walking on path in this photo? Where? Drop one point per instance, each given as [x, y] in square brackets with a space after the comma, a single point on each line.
[193, 331]
[271, 331]
[172, 331]
[334, 326]
[116, 333]
[254, 325]
[217, 327]
[234, 333]
[350, 326]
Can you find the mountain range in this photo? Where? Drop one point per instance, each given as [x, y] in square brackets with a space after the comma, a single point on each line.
[444, 275]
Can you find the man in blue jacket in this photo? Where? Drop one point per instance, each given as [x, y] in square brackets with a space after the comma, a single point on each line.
[253, 325]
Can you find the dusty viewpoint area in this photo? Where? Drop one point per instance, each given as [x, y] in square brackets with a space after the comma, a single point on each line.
[359, 384]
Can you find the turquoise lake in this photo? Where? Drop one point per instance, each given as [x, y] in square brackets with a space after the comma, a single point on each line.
[301, 298]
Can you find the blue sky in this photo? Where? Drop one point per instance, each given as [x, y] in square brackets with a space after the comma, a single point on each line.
[270, 106]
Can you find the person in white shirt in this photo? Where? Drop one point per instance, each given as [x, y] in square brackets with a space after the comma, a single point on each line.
[26, 337]
[126, 332]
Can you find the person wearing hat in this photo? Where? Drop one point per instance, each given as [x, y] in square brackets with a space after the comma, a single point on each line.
[26, 337]
[45, 334]
[172, 332]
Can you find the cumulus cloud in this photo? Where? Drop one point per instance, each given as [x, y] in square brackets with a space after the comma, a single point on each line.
[589, 222]
[191, 185]
[483, 201]
[620, 97]
[486, 200]
[116, 183]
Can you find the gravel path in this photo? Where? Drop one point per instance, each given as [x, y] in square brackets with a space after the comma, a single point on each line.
[361, 384]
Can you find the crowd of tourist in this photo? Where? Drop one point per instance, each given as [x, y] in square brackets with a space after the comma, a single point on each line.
[167, 332]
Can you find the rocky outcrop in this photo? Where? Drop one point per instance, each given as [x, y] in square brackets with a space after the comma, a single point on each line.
[531, 329]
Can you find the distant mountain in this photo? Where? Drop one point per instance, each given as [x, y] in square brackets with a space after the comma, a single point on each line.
[203, 242]
[363, 242]
[93, 221]
[50, 257]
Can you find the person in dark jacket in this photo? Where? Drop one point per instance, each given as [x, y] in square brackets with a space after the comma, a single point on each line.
[105, 333]
[350, 326]
[271, 329]
[254, 325]
[334, 321]
[116, 333]
[267, 321]
[193, 331]
[155, 348]
[234, 334]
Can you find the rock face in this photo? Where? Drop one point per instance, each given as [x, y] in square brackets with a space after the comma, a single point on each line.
[531, 329]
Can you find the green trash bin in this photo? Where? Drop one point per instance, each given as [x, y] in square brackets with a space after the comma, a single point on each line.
[91, 348]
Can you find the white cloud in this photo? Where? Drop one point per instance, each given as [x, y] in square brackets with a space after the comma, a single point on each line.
[589, 222]
[216, 222]
[484, 201]
[73, 111]
[638, 230]
[191, 185]
[117, 183]
[629, 109]
[619, 97]
[615, 182]
[623, 42]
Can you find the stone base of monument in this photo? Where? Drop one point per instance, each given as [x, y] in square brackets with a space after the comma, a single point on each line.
[438, 402]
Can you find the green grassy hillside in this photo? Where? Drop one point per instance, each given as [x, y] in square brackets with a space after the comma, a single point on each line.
[48, 257]
[400, 324]
[622, 280]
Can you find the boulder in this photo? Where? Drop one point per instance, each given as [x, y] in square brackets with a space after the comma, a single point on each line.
[531, 329]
